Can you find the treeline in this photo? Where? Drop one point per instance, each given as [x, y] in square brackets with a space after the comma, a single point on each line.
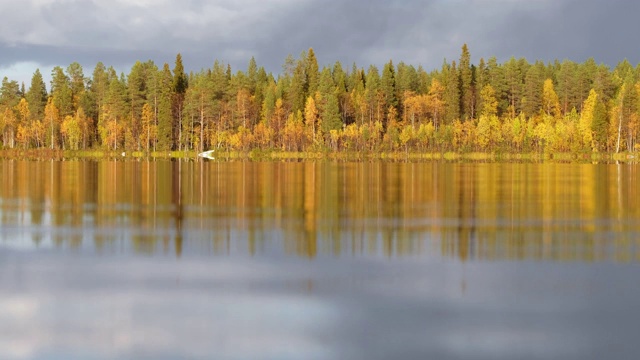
[515, 106]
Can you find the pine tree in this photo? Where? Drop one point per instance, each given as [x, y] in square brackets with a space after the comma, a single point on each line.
[312, 72]
[496, 78]
[514, 80]
[533, 86]
[329, 106]
[180, 85]
[37, 96]
[9, 93]
[340, 81]
[61, 91]
[567, 87]
[98, 89]
[388, 86]
[252, 75]
[451, 93]
[297, 93]
[166, 86]
[372, 89]
[466, 85]
[406, 82]
[600, 126]
[76, 84]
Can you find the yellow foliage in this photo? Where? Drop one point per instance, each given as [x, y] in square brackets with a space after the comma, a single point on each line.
[550, 102]
[23, 110]
[489, 104]
[23, 136]
[149, 131]
[71, 131]
[586, 120]
[263, 135]
[406, 136]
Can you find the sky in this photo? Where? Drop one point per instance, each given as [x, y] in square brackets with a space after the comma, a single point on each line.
[45, 33]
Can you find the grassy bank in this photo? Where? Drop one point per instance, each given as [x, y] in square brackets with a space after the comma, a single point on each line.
[276, 155]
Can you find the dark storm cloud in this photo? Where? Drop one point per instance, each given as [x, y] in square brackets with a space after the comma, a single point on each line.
[119, 32]
[575, 30]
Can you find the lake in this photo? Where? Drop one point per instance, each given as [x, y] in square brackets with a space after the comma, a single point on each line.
[138, 259]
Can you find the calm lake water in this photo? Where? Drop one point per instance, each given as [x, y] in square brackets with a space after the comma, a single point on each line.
[318, 260]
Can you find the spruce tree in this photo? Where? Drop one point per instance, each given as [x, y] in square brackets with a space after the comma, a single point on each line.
[166, 86]
[312, 72]
[61, 91]
[466, 82]
[533, 86]
[388, 85]
[76, 83]
[451, 92]
[180, 84]
[37, 96]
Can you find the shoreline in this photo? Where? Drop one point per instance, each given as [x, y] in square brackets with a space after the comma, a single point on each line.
[277, 155]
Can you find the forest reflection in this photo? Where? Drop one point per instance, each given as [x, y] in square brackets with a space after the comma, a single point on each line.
[463, 211]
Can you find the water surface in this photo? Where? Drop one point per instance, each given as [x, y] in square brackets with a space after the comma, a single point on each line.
[318, 260]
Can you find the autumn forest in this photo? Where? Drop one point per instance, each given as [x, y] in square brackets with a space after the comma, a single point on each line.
[512, 107]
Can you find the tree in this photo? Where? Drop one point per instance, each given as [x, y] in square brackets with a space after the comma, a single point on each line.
[37, 96]
[533, 89]
[76, 84]
[23, 111]
[180, 85]
[61, 91]
[71, 131]
[165, 128]
[407, 82]
[98, 89]
[452, 92]
[330, 113]
[586, 121]
[51, 122]
[9, 93]
[149, 128]
[298, 85]
[514, 79]
[252, 75]
[311, 72]
[467, 103]
[496, 78]
[115, 111]
[568, 93]
[599, 126]
[8, 127]
[328, 103]
[436, 102]
[372, 83]
[550, 102]
[488, 102]
[85, 127]
[388, 86]
[344, 100]
[311, 116]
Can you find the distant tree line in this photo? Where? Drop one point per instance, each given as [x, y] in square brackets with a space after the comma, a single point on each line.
[515, 106]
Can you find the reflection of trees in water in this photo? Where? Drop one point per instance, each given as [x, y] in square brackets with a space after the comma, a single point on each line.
[555, 212]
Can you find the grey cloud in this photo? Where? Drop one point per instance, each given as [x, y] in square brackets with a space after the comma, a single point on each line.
[366, 32]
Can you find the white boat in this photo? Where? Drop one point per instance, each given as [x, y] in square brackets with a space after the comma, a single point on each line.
[207, 154]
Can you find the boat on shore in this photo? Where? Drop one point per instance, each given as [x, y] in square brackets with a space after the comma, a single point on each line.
[207, 154]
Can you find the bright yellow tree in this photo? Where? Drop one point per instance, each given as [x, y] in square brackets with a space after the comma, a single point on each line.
[149, 127]
[51, 122]
[550, 102]
[586, 120]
